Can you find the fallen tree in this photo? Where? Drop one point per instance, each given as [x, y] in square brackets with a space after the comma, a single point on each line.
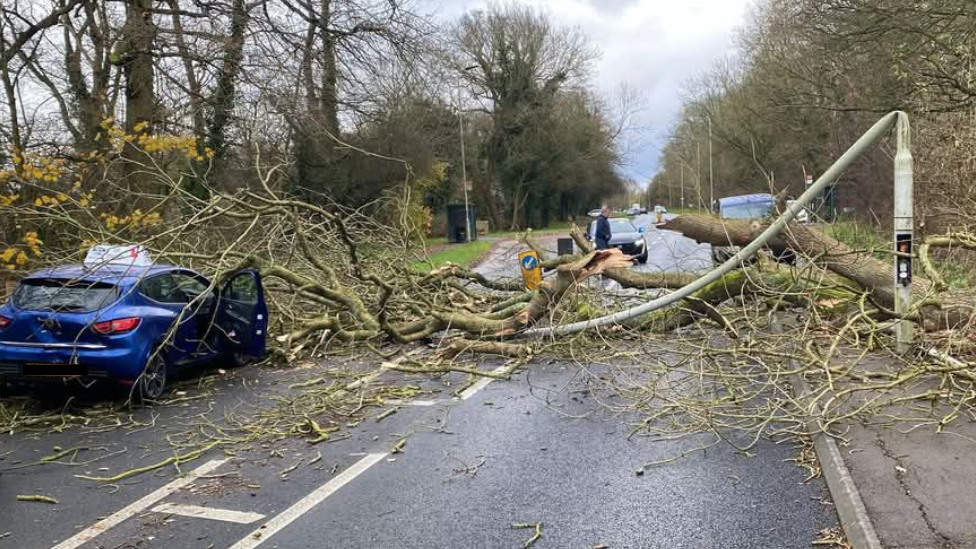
[933, 309]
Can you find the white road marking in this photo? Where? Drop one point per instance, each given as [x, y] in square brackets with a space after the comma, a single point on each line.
[418, 402]
[304, 505]
[481, 384]
[138, 506]
[369, 378]
[478, 385]
[196, 511]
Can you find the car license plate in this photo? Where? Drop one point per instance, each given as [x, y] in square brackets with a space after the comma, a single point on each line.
[50, 369]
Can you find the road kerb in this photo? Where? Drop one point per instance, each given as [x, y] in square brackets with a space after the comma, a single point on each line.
[854, 518]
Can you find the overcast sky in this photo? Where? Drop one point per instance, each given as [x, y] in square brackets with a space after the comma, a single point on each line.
[652, 45]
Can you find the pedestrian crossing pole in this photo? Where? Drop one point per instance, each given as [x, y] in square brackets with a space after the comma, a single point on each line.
[903, 221]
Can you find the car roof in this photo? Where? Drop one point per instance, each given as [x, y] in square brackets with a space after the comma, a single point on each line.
[113, 274]
[746, 199]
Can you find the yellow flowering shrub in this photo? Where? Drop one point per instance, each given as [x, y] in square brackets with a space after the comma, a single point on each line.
[39, 187]
[16, 256]
[135, 220]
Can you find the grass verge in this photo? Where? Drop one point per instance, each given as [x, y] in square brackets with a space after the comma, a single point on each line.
[957, 267]
[462, 254]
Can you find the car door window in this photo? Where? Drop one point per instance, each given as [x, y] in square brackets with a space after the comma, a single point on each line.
[189, 286]
[162, 288]
[243, 288]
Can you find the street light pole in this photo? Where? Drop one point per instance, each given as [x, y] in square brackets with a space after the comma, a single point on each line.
[464, 169]
[711, 180]
[904, 227]
[698, 181]
[683, 203]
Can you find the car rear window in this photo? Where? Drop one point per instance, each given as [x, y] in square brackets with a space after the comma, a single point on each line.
[51, 294]
[621, 226]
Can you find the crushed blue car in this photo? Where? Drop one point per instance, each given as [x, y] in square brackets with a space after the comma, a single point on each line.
[128, 323]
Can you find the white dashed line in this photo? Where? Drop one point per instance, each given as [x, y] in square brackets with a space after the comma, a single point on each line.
[419, 402]
[304, 505]
[481, 384]
[138, 506]
[195, 511]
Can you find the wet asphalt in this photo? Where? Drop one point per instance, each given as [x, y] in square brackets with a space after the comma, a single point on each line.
[539, 448]
[668, 251]
[536, 449]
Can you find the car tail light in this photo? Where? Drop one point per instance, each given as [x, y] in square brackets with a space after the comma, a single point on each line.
[119, 326]
[4, 322]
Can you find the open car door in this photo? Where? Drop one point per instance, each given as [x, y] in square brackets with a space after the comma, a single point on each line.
[243, 315]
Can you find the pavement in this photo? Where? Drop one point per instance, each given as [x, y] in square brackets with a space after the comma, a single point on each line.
[916, 482]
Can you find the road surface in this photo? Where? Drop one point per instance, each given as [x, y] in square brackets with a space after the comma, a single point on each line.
[668, 251]
[536, 449]
[457, 465]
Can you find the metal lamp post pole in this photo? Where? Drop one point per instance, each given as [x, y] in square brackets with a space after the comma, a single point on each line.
[903, 233]
[682, 186]
[464, 169]
[711, 180]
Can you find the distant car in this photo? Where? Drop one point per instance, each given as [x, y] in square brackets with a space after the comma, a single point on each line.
[747, 206]
[623, 235]
[128, 325]
[594, 213]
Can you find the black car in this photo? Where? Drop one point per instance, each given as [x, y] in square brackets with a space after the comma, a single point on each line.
[626, 237]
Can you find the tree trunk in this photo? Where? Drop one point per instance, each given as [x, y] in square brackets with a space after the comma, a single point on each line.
[137, 65]
[223, 98]
[936, 311]
[543, 300]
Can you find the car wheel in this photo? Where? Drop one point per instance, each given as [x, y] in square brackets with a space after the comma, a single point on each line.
[642, 259]
[152, 382]
[238, 360]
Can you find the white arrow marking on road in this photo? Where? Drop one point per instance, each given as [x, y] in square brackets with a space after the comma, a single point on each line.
[195, 511]
[306, 504]
[138, 506]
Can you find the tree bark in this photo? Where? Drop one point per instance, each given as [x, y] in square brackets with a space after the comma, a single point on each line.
[544, 300]
[223, 98]
[936, 311]
[136, 57]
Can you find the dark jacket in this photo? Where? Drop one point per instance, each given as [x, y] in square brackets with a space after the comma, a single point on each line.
[602, 233]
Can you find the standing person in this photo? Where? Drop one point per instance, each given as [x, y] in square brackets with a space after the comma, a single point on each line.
[602, 233]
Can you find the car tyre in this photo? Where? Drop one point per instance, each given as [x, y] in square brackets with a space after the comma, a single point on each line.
[151, 384]
[239, 360]
[642, 258]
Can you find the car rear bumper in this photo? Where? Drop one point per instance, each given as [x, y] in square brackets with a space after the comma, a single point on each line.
[118, 363]
[629, 249]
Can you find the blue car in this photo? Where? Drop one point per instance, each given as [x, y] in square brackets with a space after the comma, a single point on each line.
[126, 325]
